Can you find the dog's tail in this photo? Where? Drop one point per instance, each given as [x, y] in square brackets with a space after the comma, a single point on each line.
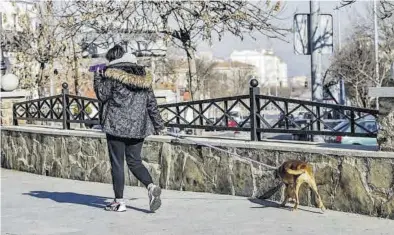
[270, 192]
[300, 169]
[295, 172]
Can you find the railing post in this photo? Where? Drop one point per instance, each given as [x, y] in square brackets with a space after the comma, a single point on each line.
[200, 108]
[318, 122]
[65, 103]
[352, 121]
[14, 117]
[254, 91]
[225, 103]
[286, 115]
[178, 119]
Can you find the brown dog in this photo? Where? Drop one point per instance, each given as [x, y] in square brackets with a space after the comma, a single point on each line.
[293, 174]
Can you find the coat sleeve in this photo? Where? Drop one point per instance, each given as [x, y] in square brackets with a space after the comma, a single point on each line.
[154, 113]
[102, 87]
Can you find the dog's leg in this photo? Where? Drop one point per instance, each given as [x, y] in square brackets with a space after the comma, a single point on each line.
[299, 181]
[297, 200]
[283, 204]
[312, 184]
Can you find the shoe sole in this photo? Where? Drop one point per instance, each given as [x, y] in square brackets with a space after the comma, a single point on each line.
[156, 203]
[109, 209]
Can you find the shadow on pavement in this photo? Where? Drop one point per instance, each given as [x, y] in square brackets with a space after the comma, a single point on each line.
[76, 198]
[265, 204]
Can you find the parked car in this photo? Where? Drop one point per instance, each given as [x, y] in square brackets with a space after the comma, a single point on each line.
[303, 115]
[212, 121]
[369, 124]
[232, 123]
[282, 122]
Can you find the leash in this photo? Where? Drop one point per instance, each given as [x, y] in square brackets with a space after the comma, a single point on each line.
[219, 149]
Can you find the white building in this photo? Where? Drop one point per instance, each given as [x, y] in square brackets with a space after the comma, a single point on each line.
[10, 12]
[271, 70]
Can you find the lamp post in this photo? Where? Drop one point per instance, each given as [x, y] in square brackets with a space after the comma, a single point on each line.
[376, 42]
[52, 89]
[3, 65]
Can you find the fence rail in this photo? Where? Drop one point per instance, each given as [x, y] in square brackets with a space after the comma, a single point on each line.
[252, 113]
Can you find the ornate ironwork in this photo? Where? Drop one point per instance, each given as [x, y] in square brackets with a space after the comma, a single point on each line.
[252, 113]
[64, 108]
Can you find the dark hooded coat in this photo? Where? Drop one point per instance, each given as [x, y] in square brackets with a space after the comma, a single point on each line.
[129, 108]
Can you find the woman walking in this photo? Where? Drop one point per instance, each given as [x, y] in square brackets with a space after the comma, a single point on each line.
[129, 114]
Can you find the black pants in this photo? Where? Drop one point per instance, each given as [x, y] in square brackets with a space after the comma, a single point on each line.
[117, 149]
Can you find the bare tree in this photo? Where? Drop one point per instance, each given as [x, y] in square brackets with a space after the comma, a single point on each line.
[240, 79]
[385, 8]
[182, 23]
[356, 61]
[355, 64]
[37, 44]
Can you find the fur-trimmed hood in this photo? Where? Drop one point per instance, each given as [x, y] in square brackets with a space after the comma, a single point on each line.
[128, 72]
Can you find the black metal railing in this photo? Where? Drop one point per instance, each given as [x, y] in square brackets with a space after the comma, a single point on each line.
[258, 114]
[63, 108]
[252, 113]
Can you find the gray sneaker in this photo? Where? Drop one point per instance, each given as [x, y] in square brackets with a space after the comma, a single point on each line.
[154, 197]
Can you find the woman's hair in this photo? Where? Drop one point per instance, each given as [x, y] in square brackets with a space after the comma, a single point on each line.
[115, 53]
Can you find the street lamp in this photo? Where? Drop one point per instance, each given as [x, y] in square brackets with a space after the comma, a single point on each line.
[3, 66]
[149, 49]
[376, 42]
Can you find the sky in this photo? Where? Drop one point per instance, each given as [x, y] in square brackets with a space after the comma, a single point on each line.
[298, 65]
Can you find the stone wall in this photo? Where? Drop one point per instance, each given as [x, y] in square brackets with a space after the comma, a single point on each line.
[386, 120]
[348, 180]
[7, 99]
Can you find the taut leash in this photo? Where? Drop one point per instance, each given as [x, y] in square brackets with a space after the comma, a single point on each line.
[219, 149]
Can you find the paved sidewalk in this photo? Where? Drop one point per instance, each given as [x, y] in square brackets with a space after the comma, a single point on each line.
[33, 204]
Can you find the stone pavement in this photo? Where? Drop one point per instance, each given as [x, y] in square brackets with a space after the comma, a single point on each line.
[34, 204]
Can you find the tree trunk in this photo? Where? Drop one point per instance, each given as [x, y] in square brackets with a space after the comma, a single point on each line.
[191, 62]
[40, 84]
[76, 72]
[192, 83]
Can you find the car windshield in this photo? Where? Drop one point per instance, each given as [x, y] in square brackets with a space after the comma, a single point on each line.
[341, 126]
[369, 125]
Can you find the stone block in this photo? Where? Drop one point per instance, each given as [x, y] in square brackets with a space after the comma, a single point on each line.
[381, 174]
[326, 178]
[56, 169]
[242, 178]
[73, 145]
[385, 137]
[193, 177]
[151, 152]
[388, 209]
[88, 147]
[265, 180]
[77, 172]
[172, 166]
[223, 178]
[351, 195]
